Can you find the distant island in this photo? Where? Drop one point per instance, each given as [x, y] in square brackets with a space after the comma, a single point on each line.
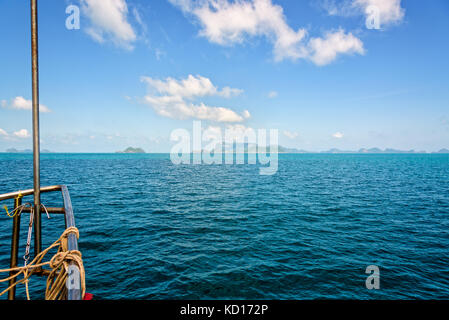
[380, 151]
[362, 150]
[373, 150]
[14, 150]
[254, 148]
[132, 150]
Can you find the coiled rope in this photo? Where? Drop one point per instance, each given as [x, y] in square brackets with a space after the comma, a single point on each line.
[59, 264]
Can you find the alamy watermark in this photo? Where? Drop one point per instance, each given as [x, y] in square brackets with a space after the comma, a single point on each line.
[238, 145]
[373, 280]
[73, 20]
[372, 17]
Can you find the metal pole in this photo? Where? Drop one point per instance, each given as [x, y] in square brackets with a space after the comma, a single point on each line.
[14, 246]
[36, 142]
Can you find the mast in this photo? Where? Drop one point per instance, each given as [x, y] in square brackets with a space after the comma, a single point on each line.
[36, 142]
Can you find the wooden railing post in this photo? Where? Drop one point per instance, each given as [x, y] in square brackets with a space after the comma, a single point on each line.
[15, 245]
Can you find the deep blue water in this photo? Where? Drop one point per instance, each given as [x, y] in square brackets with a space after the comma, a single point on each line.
[153, 230]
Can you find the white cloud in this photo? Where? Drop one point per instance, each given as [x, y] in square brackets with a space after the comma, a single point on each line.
[3, 133]
[325, 50]
[183, 110]
[173, 99]
[190, 88]
[3, 103]
[109, 21]
[290, 134]
[23, 134]
[338, 135]
[272, 94]
[246, 114]
[20, 103]
[226, 23]
[159, 54]
[139, 20]
[390, 11]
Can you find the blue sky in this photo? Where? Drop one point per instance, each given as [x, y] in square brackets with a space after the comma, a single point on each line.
[136, 70]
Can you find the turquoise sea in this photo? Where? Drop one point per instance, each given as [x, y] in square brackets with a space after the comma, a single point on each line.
[153, 230]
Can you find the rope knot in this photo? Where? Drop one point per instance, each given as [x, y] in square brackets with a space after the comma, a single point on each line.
[67, 231]
[65, 257]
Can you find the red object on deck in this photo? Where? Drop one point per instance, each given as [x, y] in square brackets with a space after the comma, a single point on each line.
[88, 296]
